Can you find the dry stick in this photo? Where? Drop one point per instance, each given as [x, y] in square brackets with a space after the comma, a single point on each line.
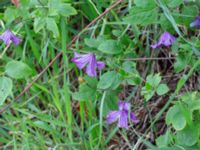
[59, 54]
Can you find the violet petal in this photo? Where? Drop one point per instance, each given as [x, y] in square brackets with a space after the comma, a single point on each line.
[16, 40]
[89, 61]
[100, 65]
[123, 119]
[81, 60]
[91, 67]
[165, 39]
[133, 118]
[9, 37]
[196, 22]
[123, 105]
[154, 46]
[112, 116]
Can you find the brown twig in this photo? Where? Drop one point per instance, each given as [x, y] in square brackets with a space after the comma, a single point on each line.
[58, 55]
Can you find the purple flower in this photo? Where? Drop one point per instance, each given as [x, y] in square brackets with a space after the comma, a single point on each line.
[196, 22]
[122, 115]
[166, 39]
[9, 37]
[89, 61]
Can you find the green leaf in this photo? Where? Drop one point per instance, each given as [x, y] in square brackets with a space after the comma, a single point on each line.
[188, 14]
[56, 6]
[129, 67]
[117, 81]
[42, 125]
[164, 140]
[18, 69]
[94, 43]
[181, 82]
[162, 89]
[111, 102]
[92, 82]
[67, 10]
[145, 3]
[174, 116]
[195, 50]
[52, 26]
[169, 148]
[142, 16]
[186, 112]
[132, 76]
[189, 135]
[87, 90]
[39, 23]
[134, 80]
[89, 9]
[153, 80]
[106, 80]
[85, 93]
[181, 62]
[110, 80]
[194, 105]
[178, 122]
[173, 3]
[5, 88]
[10, 14]
[166, 25]
[192, 99]
[147, 93]
[110, 47]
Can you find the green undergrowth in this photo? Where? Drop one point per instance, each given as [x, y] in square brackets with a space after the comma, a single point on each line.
[66, 108]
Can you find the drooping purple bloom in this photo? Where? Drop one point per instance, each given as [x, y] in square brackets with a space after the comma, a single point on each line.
[9, 37]
[122, 115]
[89, 61]
[196, 22]
[166, 39]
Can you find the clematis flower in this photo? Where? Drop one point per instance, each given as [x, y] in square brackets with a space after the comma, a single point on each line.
[196, 22]
[89, 61]
[122, 115]
[9, 37]
[166, 39]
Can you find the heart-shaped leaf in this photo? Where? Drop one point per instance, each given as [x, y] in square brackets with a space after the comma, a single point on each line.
[5, 88]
